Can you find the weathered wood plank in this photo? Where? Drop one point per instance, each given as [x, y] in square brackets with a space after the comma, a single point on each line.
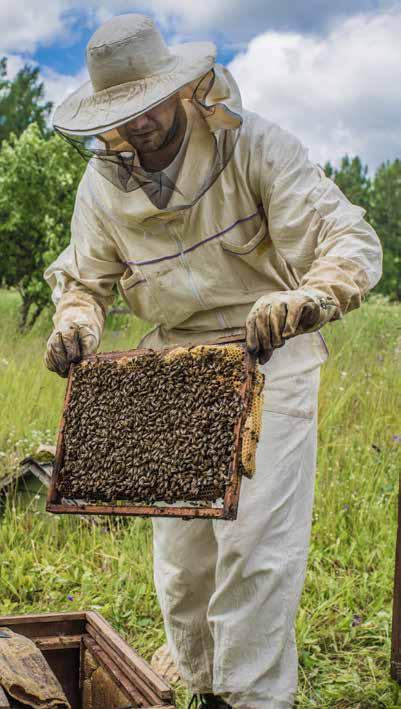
[149, 692]
[128, 654]
[46, 625]
[58, 642]
[120, 679]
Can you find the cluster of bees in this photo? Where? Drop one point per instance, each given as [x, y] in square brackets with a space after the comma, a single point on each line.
[152, 428]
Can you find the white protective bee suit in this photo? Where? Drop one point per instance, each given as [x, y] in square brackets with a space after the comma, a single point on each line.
[270, 221]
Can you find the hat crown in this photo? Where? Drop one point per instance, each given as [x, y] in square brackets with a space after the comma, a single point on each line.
[126, 48]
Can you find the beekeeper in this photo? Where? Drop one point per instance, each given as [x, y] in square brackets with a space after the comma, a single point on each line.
[209, 218]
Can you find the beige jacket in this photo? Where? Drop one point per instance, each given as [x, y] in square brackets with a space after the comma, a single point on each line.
[271, 221]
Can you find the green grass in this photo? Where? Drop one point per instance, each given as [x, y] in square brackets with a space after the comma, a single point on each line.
[345, 618]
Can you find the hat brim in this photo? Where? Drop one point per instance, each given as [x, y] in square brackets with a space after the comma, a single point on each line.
[86, 112]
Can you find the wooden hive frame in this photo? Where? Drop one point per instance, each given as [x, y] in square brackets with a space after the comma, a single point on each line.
[57, 504]
[63, 639]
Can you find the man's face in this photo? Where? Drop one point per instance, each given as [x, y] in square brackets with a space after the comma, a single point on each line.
[153, 129]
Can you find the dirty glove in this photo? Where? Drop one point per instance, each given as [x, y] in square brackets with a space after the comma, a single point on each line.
[278, 316]
[69, 343]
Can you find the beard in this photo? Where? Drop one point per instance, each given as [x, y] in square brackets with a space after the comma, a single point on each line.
[156, 138]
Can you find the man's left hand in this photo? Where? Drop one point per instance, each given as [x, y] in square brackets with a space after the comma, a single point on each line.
[278, 316]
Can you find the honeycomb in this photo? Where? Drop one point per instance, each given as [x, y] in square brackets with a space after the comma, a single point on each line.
[159, 426]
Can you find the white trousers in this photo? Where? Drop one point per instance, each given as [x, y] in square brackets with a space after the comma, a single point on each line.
[229, 591]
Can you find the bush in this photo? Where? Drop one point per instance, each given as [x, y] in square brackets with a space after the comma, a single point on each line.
[38, 182]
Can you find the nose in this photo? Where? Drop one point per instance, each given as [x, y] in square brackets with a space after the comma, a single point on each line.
[140, 123]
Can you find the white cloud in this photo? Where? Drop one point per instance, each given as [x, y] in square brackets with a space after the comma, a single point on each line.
[22, 29]
[59, 86]
[37, 24]
[237, 20]
[338, 94]
[26, 25]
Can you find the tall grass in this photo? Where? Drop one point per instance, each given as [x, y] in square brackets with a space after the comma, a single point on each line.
[344, 622]
[30, 396]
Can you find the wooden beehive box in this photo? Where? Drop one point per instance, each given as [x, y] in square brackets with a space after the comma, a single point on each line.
[94, 665]
[223, 506]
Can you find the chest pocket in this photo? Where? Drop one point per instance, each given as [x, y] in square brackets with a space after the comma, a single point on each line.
[144, 284]
[253, 249]
[163, 292]
[257, 262]
[142, 299]
[250, 258]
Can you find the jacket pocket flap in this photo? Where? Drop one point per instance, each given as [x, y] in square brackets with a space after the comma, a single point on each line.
[131, 278]
[262, 235]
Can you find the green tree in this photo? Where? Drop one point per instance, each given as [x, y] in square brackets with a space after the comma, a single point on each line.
[38, 182]
[353, 179]
[22, 102]
[386, 218]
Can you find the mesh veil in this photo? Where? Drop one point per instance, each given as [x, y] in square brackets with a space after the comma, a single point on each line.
[173, 188]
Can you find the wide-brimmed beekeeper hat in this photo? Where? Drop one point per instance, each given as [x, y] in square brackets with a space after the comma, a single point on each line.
[131, 70]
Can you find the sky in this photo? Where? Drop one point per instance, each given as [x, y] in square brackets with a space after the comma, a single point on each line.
[328, 72]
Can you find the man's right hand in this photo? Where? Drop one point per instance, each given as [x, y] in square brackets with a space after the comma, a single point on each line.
[69, 344]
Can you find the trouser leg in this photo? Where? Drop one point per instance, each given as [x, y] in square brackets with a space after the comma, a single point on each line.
[260, 570]
[184, 572]
[229, 591]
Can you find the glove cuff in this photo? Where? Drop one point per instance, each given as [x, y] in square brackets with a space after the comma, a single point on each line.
[89, 333]
[328, 307]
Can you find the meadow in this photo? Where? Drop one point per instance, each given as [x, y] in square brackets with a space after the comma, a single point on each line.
[344, 624]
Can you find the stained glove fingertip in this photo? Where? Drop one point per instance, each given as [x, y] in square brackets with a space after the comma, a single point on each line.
[251, 348]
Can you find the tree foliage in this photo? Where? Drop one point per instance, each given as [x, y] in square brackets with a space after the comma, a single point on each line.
[38, 181]
[352, 178]
[22, 101]
[385, 212]
[380, 196]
